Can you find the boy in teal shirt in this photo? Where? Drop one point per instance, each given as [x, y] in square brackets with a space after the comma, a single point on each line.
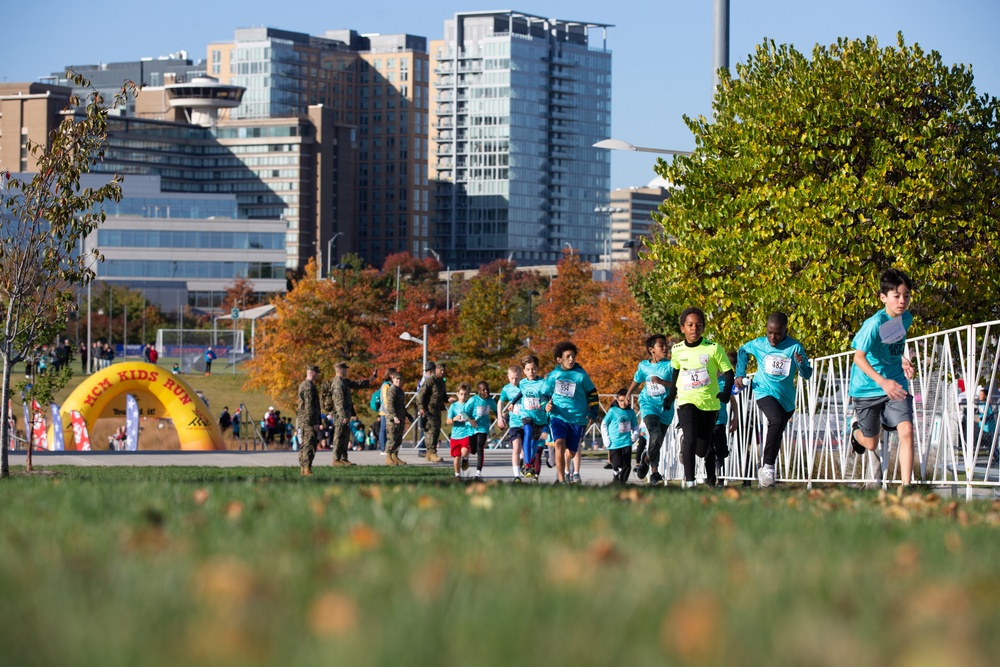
[779, 359]
[617, 429]
[572, 407]
[461, 430]
[509, 418]
[879, 387]
[480, 407]
[534, 418]
[657, 376]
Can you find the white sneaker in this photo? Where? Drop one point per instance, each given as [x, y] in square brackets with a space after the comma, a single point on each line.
[689, 485]
[766, 476]
[576, 478]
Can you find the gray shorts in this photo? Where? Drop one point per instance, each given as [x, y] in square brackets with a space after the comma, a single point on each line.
[872, 413]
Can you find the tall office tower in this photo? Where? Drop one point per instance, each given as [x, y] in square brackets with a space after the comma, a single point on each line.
[375, 83]
[632, 217]
[517, 102]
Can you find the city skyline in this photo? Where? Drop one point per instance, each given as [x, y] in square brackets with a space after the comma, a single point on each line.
[661, 54]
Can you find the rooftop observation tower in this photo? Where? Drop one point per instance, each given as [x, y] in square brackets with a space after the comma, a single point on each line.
[202, 97]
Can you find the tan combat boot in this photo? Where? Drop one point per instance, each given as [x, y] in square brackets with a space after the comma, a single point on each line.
[305, 471]
[432, 457]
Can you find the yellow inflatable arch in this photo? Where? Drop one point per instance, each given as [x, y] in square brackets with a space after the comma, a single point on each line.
[195, 426]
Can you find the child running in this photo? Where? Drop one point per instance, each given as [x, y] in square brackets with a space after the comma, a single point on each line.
[617, 428]
[572, 408]
[880, 376]
[719, 451]
[780, 358]
[700, 363]
[657, 376]
[534, 418]
[479, 408]
[509, 418]
[461, 430]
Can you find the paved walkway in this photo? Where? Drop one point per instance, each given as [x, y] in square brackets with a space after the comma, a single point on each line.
[498, 466]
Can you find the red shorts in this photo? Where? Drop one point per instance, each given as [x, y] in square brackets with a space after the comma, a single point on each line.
[457, 445]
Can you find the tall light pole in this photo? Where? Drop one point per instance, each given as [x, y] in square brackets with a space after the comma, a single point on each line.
[447, 272]
[329, 251]
[610, 210]
[619, 145]
[406, 335]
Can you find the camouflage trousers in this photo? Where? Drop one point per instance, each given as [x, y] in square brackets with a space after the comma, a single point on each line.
[394, 437]
[432, 431]
[341, 437]
[307, 450]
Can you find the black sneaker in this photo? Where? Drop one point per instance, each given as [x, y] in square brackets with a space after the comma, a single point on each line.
[608, 466]
[642, 469]
[545, 457]
[655, 479]
[855, 445]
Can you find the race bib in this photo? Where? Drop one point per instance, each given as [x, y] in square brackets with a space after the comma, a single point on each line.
[482, 410]
[654, 389]
[695, 378]
[516, 410]
[777, 365]
[892, 331]
[532, 403]
[565, 388]
[624, 427]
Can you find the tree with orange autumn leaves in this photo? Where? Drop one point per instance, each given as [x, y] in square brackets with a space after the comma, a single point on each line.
[354, 319]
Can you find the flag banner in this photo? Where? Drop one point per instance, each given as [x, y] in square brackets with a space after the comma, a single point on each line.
[58, 438]
[39, 440]
[80, 432]
[131, 424]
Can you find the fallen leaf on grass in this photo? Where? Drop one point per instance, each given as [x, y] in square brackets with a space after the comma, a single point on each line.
[731, 494]
[318, 507]
[482, 502]
[604, 551]
[426, 503]
[427, 581]
[364, 537]
[907, 559]
[724, 522]
[333, 614]
[898, 513]
[815, 494]
[953, 542]
[691, 628]
[475, 489]
[224, 582]
[373, 492]
[631, 495]
[233, 510]
[200, 496]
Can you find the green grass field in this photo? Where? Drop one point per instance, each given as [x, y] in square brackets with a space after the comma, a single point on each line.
[388, 566]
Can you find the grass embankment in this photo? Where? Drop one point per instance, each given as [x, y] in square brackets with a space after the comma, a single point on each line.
[387, 566]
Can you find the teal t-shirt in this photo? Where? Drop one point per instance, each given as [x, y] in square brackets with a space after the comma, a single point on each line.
[652, 394]
[460, 429]
[619, 424]
[509, 394]
[479, 409]
[883, 340]
[569, 391]
[534, 398]
[776, 368]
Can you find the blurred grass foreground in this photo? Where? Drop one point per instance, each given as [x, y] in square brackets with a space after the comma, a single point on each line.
[389, 566]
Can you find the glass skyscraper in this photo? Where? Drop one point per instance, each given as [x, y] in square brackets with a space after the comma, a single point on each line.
[517, 102]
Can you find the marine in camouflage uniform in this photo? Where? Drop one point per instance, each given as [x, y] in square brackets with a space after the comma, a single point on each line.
[338, 405]
[431, 399]
[395, 420]
[307, 418]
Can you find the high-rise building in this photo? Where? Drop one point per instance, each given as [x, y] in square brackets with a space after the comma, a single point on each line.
[517, 102]
[377, 84]
[632, 217]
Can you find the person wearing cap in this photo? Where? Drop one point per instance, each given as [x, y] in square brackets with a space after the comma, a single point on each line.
[225, 419]
[307, 419]
[431, 399]
[338, 405]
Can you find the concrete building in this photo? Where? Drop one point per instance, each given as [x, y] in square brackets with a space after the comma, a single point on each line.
[517, 102]
[184, 249]
[28, 111]
[633, 220]
[376, 84]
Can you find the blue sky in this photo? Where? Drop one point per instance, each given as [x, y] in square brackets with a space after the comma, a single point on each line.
[662, 49]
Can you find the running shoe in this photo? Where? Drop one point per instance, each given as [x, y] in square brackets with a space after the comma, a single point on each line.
[642, 469]
[576, 478]
[655, 479]
[766, 476]
[855, 445]
[465, 464]
[545, 457]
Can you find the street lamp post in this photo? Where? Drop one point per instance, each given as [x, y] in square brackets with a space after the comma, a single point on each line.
[406, 335]
[610, 210]
[447, 272]
[329, 251]
[619, 145]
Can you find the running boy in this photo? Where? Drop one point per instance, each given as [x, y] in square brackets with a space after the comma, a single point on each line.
[509, 418]
[657, 376]
[461, 429]
[479, 408]
[779, 359]
[534, 418]
[700, 363]
[617, 428]
[572, 407]
[880, 376]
